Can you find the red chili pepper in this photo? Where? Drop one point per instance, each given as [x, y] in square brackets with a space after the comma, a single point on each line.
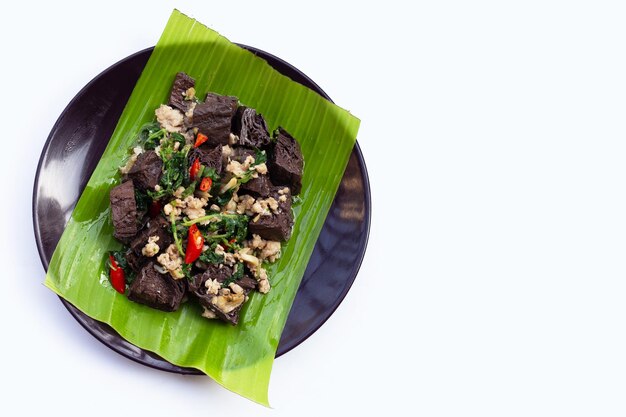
[195, 241]
[155, 209]
[195, 167]
[200, 139]
[205, 184]
[117, 276]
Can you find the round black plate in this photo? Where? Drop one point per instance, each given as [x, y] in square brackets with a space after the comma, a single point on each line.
[75, 146]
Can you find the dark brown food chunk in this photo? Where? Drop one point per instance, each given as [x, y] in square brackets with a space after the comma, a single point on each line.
[182, 83]
[251, 128]
[124, 210]
[135, 262]
[213, 118]
[210, 158]
[146, 172]
[196, 285]
[196, 282]
[286, 162]
[157, 290]
[156, 227]
[247, 283]
[260, 186]
[276, 226]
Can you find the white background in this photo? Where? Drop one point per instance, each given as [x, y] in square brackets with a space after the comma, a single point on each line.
[494, 281]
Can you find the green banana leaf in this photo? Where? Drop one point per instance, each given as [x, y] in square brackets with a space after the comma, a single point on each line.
[239, 358]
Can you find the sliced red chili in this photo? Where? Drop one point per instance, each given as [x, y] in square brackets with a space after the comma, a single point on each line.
[195, 168]
[116, 274]
[205, 184]
[200, 139]
[195, 242]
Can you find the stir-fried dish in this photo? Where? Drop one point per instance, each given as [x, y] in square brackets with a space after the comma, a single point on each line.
[204, 204]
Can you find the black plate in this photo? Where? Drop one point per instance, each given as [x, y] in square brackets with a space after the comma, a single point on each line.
[75, 146]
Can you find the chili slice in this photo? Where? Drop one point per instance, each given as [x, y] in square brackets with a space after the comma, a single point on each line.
[195, 242]
[205, 184]
[200, 139]
[195, 167]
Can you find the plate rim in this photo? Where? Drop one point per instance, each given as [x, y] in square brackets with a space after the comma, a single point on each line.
[75, 312]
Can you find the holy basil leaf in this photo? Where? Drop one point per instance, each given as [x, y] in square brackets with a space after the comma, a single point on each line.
[143, 200]
[236, 227]
[210, 257]
[260, 157]
[177, 137]
[150, 135]
[210, 173]
[222, 199]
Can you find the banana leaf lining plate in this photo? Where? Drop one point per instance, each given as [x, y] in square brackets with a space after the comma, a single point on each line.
[74, 148]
